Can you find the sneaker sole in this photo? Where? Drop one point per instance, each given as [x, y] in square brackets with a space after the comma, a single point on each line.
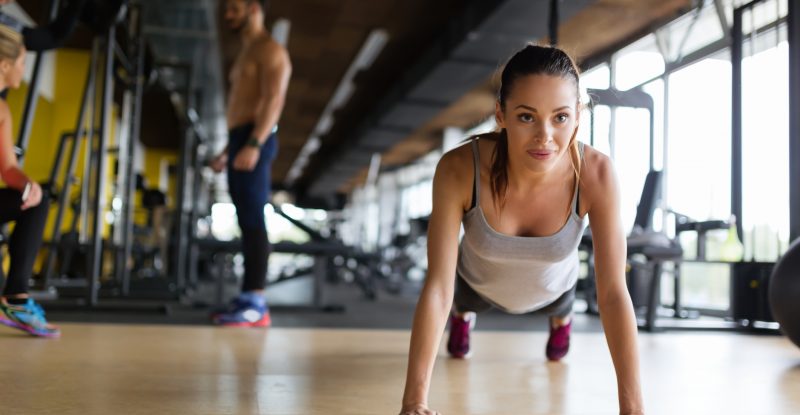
[559, 354]
[264, 322]
[6, 322]
[28, 329]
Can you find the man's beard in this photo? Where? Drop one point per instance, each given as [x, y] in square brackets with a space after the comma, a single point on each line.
[237, 26]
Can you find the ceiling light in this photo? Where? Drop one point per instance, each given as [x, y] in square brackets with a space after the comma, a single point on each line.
[370, 50]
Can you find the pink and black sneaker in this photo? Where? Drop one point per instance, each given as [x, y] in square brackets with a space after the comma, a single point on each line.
[558, 343]
[460, 327]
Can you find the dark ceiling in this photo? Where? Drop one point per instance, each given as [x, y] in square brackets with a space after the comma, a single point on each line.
[435, 70]
[325, 38]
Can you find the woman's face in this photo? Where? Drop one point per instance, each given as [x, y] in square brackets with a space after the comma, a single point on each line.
[540, 118]
[15, 70]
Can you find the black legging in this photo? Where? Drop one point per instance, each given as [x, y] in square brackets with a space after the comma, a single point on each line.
[25, 240]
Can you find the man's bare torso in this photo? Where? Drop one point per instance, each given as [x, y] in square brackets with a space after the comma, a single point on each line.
[245, 83]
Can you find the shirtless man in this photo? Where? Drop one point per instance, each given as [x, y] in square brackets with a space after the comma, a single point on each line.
[258, 82]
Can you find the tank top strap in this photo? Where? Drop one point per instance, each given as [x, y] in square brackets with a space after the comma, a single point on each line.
[476, 180]
[576, 193]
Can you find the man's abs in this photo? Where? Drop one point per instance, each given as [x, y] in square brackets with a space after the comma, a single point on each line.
[245, 91]
[242, 105]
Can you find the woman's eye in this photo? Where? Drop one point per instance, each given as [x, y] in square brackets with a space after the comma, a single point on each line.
[526, 118]
[562, 118]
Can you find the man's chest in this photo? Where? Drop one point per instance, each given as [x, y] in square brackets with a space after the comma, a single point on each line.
[244, 71]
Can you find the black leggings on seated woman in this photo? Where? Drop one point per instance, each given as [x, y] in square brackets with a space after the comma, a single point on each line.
[25, 240]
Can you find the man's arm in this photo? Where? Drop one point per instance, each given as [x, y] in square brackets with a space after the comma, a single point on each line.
[275, 69]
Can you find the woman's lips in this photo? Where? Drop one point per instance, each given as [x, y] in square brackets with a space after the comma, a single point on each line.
[540, 154]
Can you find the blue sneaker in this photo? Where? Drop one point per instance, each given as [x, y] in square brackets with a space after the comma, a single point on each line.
[247, 310]
[28, 317]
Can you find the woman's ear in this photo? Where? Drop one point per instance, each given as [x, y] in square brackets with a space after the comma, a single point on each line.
[498, 115]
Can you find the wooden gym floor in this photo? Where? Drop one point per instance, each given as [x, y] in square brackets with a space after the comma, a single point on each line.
[140, 369]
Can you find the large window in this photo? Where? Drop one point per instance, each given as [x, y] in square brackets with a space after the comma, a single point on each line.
[629, 139]
[765, 147]
[638, 63]
[762, 14]
[598, 77]
[595, 121]
[692, 139]
[656, 90]
[692, 32]
[699, 137]
[631, 149]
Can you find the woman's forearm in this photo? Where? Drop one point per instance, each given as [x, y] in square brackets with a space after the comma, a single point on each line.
[14, 178]
[430, 318]
[619, 323]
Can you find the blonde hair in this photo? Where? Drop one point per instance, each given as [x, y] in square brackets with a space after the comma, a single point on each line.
[10, 43]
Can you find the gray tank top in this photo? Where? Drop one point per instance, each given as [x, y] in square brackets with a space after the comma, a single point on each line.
[518, 274]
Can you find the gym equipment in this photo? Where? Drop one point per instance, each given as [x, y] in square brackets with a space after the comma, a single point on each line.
[350, 265]
[784, 291]
[656, 247]
[33, 96]
[221, 253]
[647, 252]
[149, 249]
[85, 243]
[331, 258]
[404, 264]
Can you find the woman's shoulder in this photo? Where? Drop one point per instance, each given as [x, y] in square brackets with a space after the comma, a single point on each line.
[457, 159]
[462, 157]
[597, 172]
[455, 173]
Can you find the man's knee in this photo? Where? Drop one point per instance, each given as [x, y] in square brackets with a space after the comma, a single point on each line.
[251, 217]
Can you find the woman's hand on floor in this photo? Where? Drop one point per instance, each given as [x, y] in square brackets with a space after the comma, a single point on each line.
[418, 410]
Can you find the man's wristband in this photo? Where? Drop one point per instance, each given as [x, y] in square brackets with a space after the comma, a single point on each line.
[253, 142]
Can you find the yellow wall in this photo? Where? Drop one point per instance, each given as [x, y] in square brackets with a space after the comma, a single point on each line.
[41, 152]
[59, 116]
[53, 119]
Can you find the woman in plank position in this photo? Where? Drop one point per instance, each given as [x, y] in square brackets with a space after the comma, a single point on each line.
[523, 194]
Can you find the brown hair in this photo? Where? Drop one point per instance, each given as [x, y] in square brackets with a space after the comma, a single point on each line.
[531, 60]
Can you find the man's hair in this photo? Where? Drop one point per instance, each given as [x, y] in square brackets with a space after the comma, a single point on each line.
[263, 3]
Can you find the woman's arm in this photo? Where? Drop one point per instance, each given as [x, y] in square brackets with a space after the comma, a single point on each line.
[436, 298]
[616, 310]
[10, 173]
[9, 169]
